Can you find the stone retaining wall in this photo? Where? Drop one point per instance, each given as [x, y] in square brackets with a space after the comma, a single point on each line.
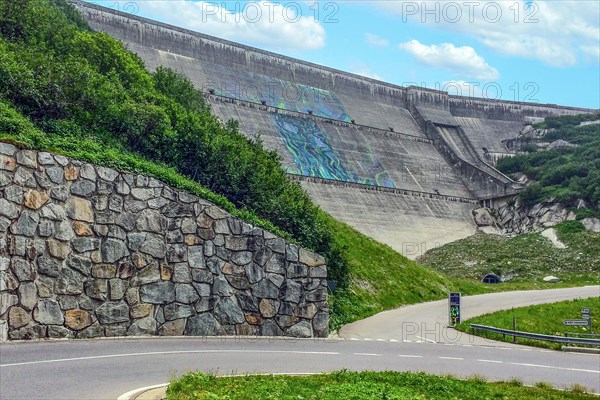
[87, 251]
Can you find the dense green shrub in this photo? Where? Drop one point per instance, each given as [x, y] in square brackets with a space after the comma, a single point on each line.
[567, 173]
[83, 85]
[532, 194]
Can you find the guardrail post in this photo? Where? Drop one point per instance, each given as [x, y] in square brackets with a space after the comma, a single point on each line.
[514, 329]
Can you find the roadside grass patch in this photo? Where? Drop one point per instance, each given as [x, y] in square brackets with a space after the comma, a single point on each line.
[357, 386]
[544, 318]
[524, 259]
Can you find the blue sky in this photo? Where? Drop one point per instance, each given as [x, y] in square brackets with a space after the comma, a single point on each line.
[537, 51]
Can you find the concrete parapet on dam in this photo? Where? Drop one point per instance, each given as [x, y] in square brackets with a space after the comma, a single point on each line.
[342, 131]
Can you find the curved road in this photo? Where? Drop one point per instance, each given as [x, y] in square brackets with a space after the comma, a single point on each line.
[107, 368]
[428, 321]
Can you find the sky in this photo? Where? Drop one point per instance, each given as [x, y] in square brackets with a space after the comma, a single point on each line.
[534, 51]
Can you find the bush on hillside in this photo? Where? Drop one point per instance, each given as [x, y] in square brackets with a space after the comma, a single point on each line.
[568, 173]
[79, 84]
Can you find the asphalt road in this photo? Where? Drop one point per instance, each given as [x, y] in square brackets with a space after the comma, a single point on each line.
[107, 368]
[428, 321]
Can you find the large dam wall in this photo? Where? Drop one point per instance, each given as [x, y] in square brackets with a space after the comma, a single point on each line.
[342, 132]
[88, 251]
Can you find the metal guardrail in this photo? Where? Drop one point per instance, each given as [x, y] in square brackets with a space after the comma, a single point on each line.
[537, 336]
[588, 335]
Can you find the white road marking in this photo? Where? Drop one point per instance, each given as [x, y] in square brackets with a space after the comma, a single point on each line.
[451, 358]
[409, 356]
[425, 339]
[367, 354]
[158, 353]
[491, 361]
[560, 368]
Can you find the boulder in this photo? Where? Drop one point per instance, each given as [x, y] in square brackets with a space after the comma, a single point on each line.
[482, 217]
[591, 224]
[551, 279]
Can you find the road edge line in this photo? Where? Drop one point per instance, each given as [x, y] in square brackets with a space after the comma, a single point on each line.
[132, 394]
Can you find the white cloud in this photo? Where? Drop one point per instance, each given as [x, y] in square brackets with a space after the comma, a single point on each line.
[593, 52]
[556, 32]
[260, 23]
[464, 61]
[376, 41]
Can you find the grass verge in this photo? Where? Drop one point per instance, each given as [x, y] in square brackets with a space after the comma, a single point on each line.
[525, 259]
[360, 385]
[545, 319]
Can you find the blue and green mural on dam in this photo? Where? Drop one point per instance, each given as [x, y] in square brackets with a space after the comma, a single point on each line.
[256, 88]
[314, 156]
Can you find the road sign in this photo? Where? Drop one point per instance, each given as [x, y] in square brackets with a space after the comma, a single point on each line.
[576, 322]
[586, 313]
[454, 308]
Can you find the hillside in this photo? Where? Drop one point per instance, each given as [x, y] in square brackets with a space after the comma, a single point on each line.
[524, 260]
[68, 90]
[567, 169]
[560, 158]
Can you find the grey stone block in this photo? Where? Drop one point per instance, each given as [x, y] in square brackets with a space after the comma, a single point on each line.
[202, 325]
[158, 293]
[113, 312]
[48, 312]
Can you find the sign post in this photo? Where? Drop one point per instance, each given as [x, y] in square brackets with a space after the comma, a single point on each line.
[586, 319]
[454, 308]
[586, 314]
[575, 322]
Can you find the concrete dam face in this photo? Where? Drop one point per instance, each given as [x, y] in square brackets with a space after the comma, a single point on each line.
[405, 166]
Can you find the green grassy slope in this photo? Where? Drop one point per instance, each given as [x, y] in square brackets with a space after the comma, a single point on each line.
[82, 94]
[545, 319]
[528, 258]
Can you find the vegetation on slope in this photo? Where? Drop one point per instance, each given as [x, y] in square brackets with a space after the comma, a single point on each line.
[66, 89]
[527, 258]
[545, 319]
[359, 385]
[566, 173]
[81, 85]
[381, 279]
